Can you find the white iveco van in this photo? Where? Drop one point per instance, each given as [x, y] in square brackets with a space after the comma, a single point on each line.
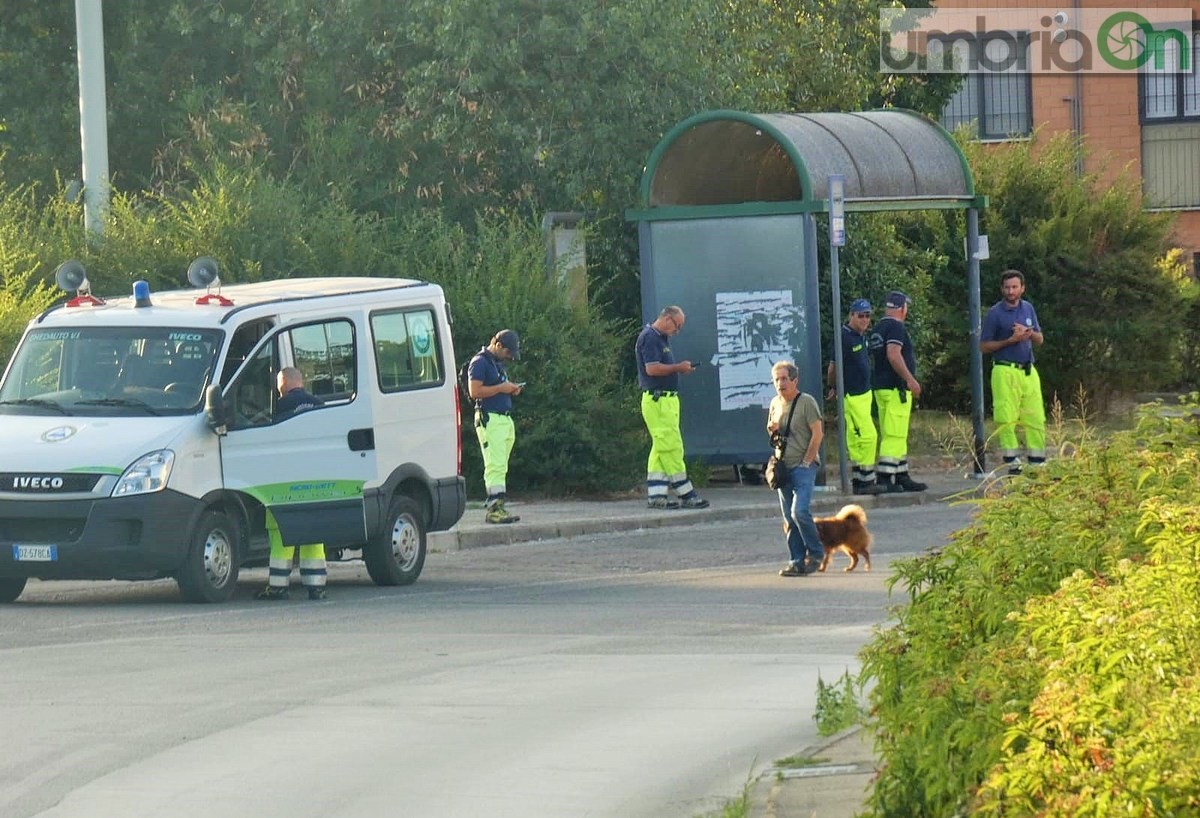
[139, 439]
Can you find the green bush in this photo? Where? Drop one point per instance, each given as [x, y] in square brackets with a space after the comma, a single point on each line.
[579, 429]
[578, 425]
[837, 705]
[1114, 727]
[22, 296]
[1094, 264]
[962, 678]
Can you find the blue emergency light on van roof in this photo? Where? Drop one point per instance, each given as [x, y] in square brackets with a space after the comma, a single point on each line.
[141, 293]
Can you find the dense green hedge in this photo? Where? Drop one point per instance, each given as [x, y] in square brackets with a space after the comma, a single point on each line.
[1048, 659]
[579, 429]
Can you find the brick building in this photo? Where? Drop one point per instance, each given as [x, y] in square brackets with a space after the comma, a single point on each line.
[1146, 119]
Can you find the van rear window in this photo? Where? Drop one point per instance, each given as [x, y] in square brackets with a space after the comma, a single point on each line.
[407, 349]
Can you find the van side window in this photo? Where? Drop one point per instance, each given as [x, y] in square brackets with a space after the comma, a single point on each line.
[245, 338]
[407, 349]
[324, 354]
[253, 394]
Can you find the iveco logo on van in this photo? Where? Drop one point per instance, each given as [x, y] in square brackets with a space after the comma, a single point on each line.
[51, 483]
[26, 483]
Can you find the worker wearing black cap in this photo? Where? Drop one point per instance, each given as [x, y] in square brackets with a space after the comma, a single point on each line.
[896, 387]
[492, 392]
[861, 437]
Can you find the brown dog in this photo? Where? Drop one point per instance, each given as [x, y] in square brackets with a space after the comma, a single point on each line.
[847, 532]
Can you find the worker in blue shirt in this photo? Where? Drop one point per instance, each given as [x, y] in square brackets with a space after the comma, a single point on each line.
[658, 376]
[861, 437]
[894, 380]
[493, 392]
[1010, 332]
[293, 399]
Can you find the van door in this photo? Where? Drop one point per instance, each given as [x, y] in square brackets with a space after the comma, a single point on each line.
[309, 467]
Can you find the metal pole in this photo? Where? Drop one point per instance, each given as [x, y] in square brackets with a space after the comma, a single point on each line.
[812, 381]
[974, 316]
[837, 238]
[836, 286]
[93, 107]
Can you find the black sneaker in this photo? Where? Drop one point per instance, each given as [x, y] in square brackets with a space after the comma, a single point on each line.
[695, 501]
[662, 503]
[316, 593]
[792, 570]
[272, 593]
[866, 487]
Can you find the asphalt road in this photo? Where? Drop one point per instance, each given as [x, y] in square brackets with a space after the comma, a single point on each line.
[633, 674]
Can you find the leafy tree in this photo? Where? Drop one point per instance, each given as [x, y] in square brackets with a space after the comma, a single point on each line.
[819, 55]
[474, 106]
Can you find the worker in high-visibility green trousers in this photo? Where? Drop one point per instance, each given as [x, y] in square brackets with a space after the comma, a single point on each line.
[896, 387]
[658, 375]
[493, 392]
[861, 437]
[293, 398]
[313, 572]
[1010, 332]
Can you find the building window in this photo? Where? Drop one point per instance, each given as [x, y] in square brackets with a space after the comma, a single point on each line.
[996, 105]
[1168, 94]
[1169, 106]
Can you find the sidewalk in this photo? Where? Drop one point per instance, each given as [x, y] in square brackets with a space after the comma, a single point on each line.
[835, 785]
[551, 519]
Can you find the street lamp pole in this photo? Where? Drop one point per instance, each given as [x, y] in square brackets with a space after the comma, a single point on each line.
[93, 116]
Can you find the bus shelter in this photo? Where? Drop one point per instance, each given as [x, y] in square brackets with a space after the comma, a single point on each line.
[727, 219]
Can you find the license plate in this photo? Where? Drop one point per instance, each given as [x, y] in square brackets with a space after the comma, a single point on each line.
[35, 553]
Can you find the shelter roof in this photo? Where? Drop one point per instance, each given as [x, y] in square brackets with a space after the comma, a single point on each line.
[890, 159]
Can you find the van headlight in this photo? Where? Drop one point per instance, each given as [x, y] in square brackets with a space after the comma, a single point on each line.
[148, 473]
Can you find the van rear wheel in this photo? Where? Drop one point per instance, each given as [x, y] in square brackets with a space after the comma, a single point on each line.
[211, 570]
[11, 588]
[397, 553]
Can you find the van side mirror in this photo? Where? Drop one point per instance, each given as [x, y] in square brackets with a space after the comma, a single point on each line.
[214, 409]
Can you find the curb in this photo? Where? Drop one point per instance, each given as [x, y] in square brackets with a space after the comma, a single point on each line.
[532, 532]
[774, 791]
[457, 539]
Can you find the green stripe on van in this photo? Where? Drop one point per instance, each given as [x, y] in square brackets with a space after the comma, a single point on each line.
[306, 491]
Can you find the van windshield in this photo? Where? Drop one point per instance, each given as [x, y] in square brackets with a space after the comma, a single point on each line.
[110, 371]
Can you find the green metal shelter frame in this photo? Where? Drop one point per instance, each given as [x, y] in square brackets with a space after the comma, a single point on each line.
[732, 164]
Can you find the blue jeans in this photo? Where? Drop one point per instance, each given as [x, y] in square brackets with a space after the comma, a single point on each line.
[794, 502]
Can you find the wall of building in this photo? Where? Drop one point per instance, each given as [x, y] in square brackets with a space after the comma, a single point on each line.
[1109, 104]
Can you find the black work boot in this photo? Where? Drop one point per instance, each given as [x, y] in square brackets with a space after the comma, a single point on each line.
[884, 484]
[906, 483]
[866, 487]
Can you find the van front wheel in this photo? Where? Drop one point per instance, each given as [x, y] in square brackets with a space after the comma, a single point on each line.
[211, 570]
[11, 588]
[397, 553]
